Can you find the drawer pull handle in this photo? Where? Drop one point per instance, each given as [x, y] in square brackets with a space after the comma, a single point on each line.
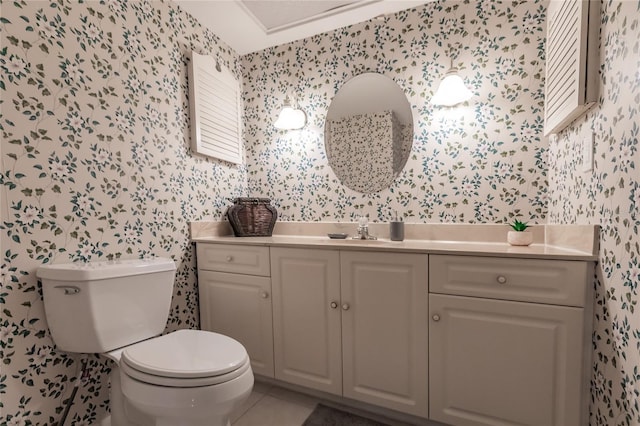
[229, 258]
[436, 317]
[345, 306]
[502, 279]
[334, 305]
[264, 295]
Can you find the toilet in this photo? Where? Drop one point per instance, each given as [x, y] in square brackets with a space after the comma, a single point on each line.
[119, 309]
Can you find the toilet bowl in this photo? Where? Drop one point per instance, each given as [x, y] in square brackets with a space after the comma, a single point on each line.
[188, 377]
[183, 378]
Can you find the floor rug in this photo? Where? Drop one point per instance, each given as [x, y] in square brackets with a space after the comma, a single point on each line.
[323, 415]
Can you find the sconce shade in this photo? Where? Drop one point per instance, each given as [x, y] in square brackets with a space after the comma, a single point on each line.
[290, 118]
[452, 90]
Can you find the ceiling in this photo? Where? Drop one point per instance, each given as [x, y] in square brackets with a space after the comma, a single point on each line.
[251, 25]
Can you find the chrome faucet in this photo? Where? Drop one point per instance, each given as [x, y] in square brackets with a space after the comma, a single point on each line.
[363, 230]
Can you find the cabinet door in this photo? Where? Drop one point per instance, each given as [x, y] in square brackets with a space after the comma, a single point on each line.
[504, 363]
[306, 317]
[239, 306]
[384, 332]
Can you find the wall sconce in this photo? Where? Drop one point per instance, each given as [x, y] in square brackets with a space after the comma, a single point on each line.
[290, 118]
[452, 90]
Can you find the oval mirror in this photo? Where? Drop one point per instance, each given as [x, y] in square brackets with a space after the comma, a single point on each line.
[368, 133]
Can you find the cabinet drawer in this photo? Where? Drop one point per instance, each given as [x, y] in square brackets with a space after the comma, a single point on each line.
[248, 260]
[554, 282]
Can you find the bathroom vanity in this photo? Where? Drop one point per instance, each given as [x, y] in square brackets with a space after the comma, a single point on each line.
[463, 331]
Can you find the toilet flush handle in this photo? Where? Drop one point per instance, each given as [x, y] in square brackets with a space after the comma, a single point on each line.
[69, 289]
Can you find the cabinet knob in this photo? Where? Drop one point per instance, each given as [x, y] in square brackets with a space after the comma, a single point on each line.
[501, 279]
[345, 306]
[229, 258]
[264, 295]
[334, 305]
[436, 317]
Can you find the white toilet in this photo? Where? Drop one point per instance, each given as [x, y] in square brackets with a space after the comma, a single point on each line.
[186, 378]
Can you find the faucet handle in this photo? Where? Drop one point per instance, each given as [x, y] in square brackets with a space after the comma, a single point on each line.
[363, 221]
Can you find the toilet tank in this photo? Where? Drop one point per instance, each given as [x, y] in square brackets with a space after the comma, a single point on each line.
[96, 307]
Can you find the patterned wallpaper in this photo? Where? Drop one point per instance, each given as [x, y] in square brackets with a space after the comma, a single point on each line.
[609, 196]
[361, 149]
[95, 164]
[481, 162]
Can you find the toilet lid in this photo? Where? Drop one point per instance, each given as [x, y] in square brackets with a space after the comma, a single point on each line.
[128, 373]
[186, 354]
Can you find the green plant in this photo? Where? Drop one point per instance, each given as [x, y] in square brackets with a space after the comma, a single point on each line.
[518, 226]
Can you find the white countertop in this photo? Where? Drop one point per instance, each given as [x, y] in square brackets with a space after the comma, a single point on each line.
[469, 248]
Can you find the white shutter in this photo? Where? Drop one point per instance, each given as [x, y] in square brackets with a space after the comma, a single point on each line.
[572, 61]
[214, 99]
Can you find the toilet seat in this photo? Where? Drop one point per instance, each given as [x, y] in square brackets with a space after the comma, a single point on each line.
[185, 358]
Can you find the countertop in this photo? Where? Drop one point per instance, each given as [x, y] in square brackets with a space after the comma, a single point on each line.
[540, 249]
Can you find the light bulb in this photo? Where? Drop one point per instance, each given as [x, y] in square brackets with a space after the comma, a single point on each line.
[452, 90]
[290, 118]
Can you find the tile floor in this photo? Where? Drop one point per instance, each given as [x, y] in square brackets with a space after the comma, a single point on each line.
[270, 405]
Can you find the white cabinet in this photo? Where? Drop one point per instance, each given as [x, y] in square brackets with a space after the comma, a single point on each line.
[500, 362]
[306, 318]
[238, 304]
[464, 340]
[245, 260]
[553, 282]
[385, 329]
[353, 324]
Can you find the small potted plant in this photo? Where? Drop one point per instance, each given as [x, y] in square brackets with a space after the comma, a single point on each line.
[519, 236]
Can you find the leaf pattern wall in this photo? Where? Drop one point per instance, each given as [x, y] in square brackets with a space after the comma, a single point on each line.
[96, 164]
[480, 162]
[361, 149]
[610, 197]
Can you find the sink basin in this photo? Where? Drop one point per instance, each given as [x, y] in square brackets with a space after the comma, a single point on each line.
[350, 240]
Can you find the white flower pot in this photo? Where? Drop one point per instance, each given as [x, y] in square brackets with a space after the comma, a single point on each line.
[519, 238]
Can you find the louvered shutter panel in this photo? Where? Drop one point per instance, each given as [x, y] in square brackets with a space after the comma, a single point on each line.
[214, 99]
[572, 61]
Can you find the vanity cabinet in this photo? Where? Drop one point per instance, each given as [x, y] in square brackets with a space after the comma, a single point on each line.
[306, 318]
[384, 299]
[508, 341]
[234, 288]
[353, 324]
[460, 339]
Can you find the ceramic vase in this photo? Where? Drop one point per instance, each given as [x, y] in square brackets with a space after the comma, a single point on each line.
[519, 238]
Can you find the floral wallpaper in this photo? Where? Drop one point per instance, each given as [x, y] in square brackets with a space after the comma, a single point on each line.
[96, 161]
[610, 197]
[361, 149]
[96, 165]
[483, 161]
